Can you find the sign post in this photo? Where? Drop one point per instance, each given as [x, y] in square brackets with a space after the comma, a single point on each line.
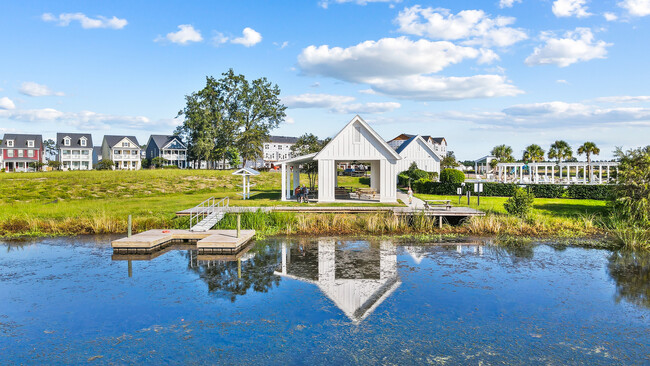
[459, 191]
[478, 188]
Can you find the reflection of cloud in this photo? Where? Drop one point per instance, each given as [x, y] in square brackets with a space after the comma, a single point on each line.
[631, 272]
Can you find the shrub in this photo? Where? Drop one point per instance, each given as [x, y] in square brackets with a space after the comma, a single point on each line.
[547, 190]
[594, 192]
[452, 176]
[520, 203]
[104, 164]
[433, 176]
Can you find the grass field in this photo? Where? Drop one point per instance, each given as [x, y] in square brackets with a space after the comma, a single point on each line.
[94, 202]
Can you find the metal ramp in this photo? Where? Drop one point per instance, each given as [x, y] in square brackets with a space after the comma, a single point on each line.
[208, 213]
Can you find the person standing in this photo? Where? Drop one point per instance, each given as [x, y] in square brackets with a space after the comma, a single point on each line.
[298, 193]
[305, 192]
[410, 193]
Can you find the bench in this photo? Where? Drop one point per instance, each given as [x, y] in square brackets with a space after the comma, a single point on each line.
[366, 191]
[432, 204]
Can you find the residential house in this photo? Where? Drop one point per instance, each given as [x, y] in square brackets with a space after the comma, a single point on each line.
[417, 150]
[124, 151]
[438, 144]
[18, 151]
[278, 148]
[97, 155]
[75, 151]
[168, 147]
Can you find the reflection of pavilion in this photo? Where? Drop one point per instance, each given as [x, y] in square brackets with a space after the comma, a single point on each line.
[356, 279]
[418, 253]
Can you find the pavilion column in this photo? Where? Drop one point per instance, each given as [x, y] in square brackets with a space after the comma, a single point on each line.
[296, 177]
[283, 169]
[288, 177]
[374, 175]
[521, 173]
[608, 177]
[600, 174]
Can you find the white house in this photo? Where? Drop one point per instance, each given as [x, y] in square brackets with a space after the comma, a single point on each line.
[417, 150]
[75, 151]
[356, 141]
[124, 151]
[278, 148]
[438, 144]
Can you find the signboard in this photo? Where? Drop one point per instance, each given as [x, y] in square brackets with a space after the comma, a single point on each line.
[478, 187]
[459, 191]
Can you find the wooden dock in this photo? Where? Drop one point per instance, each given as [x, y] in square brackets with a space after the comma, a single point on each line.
[211, 241]
[397, 210]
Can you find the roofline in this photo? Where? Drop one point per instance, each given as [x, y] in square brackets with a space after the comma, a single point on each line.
[418, 137]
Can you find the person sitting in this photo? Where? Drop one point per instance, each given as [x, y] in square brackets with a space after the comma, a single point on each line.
[298, 193]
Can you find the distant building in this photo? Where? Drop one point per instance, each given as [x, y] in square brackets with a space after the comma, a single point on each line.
[278, 148]
[18, 151]
[97, 155]
[438, 144]
[75, 151]
[124, 151]
[168, 147]
[417, 150]
[484, 164]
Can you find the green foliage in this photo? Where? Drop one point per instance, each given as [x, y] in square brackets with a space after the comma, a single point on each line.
[547, 190]
[414, 174]
[533, 153]
[233, 157]
[448, 161]
[595, 192]
[520, 203]
[104, 164]
[452, 176]
[55, 165]
[37, 165]
[632, 195]
[157, 162]
[309, 144]
[589, 148]
[560, 150]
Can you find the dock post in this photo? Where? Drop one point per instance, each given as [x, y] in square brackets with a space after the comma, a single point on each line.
[238, 225]
[130, 269]
[239, 268]
[440, 222]
[129, 227]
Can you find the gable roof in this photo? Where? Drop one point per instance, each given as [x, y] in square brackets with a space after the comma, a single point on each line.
[75, 139]
[406, 136]
[20, 140]
[163, 140]
[97, 150]
[283, 139]
[246, 171]
[112, 140]
[415, 139]
[375, 135]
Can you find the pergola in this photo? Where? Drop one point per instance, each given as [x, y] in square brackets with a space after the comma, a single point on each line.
[544, 172]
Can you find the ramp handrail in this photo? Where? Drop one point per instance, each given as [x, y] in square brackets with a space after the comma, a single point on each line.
[206, 208]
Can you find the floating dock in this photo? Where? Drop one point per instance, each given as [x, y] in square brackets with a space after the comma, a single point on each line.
[210, 241]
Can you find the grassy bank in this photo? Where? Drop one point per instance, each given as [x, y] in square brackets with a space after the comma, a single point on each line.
[98, 202]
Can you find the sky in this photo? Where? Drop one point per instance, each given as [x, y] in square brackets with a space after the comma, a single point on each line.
[479, 73]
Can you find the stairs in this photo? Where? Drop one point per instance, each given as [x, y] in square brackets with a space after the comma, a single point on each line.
[208, 222]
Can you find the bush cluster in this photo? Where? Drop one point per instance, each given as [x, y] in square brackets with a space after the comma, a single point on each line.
[594, 192]
[520, 203]
[452, 176]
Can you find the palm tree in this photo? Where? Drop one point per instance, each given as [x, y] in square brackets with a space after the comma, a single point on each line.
[560, 150]
[533, 153]
[589, 148]
[503, 154]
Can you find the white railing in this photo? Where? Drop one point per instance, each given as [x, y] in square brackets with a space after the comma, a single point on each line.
[206, 208]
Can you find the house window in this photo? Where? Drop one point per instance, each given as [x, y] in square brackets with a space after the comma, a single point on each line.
[266, 146]
[125, 144]
[20, 153]
[83, 142]
[10, 153]
[30, 143]
[30, 153]
[133, 164]
[279, 147]
[66, 141]
[10, 143]
[134, 152]
[84, 152]
[357, 134]
[66, 152]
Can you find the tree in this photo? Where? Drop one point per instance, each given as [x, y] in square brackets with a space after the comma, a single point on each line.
[560, 150]
[452, 176]
[55, 165]
[309, 144]
[502, 154]
[520, 203]
[37, 165]
[157, 162]
[589, 148]
[533, 153]
[632, 194]
[448, 161]
[234, 159]
[50, 149]
[104, 164]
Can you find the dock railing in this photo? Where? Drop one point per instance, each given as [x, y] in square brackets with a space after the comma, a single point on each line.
[206, 208]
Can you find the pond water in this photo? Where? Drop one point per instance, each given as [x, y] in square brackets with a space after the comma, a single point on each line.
[323, 301]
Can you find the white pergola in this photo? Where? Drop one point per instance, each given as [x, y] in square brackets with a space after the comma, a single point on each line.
[544, 172]
[246, 174]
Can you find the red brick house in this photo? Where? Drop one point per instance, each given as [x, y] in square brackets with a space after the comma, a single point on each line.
[18, 151]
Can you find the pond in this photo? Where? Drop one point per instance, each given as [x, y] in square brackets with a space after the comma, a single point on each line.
[323, 301]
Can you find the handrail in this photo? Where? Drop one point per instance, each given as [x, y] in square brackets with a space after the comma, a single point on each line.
[206, 208]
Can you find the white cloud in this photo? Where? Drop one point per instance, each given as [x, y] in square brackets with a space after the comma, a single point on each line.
[325, 3]
[419, 87]
[610, 17]
[508, 3]
[569, 8]
[639, 8]
[625, 99]
[487, 56]
[576, 46]
[310, 100]
[388, 57]
[38, 90]
[219, 39]
[88, 119]
[474, 27]
[185, 35]
[561, 81]
[6, 103]
[367, 91]
[282, 45]
[249, 38]
[366, 108]
[86, 22]
[289, 120]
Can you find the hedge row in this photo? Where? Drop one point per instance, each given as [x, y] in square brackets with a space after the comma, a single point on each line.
[595, 192]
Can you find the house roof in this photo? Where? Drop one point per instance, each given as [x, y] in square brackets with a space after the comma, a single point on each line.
[20, 140]
[283, 139]
[112, 140]
[406, 136]
[364, 124]
[75, 139]
[408, 142]
[97, 150]
[405, 144]
[163, 140]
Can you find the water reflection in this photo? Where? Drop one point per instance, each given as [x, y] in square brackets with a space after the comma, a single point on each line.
[357, 276]
[631, 272]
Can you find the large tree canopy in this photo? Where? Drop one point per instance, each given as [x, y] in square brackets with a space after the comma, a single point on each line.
[230, 112]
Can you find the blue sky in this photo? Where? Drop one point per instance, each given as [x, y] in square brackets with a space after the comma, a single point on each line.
[479, 73]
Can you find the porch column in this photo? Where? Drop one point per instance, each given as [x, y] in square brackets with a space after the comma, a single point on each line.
[296, 177]
[283, 168]
[374, 175]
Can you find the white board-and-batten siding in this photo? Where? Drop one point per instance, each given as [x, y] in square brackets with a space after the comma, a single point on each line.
[354, 142]
[417, 152]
